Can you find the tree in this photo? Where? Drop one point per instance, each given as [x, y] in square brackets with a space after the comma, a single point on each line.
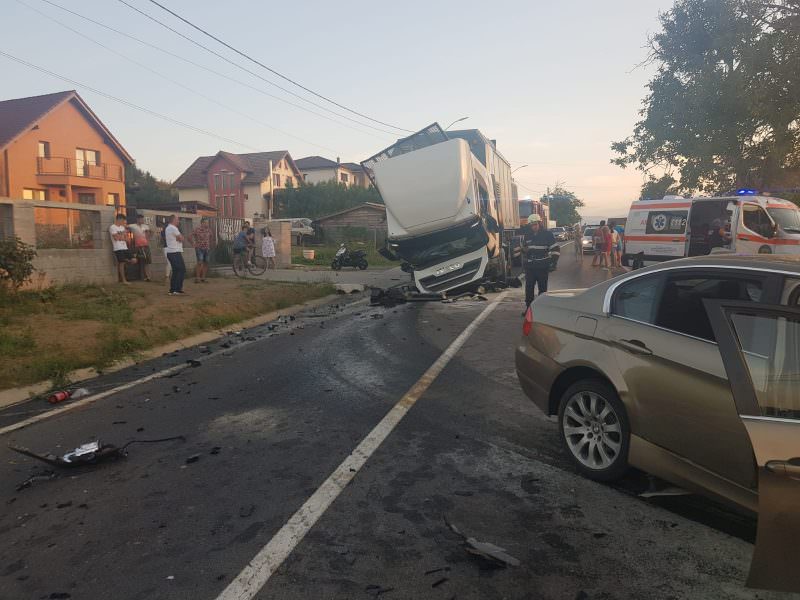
[314, 200]
[564, 205]
[722, 110]
[16, 263]
[144, 190]
[658, 187]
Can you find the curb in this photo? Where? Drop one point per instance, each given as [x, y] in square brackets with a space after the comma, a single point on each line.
[12, 396]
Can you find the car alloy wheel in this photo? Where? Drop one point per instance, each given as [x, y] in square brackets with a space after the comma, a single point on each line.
[595, 430]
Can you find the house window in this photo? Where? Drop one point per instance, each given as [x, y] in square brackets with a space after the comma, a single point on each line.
[86, 198]
[112, 199]
[31, 194]
[289, 182]
[343, 177]
[85, 160]
[231, 179]
[44, 150]
[276, 179]
[217, 182]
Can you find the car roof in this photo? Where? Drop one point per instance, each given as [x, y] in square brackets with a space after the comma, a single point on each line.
[783, 262]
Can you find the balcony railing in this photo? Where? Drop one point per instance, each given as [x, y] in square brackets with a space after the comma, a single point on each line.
[61, 165]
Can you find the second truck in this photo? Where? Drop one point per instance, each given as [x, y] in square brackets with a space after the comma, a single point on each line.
[450, 213]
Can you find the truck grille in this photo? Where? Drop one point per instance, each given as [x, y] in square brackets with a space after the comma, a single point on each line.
[434, 283]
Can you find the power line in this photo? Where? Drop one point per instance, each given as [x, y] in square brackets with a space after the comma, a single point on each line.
[203, 67]
[246, 70]
[127, 103]
[171, 80]
[273, 71]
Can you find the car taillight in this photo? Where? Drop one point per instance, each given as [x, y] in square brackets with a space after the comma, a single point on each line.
[528, 324]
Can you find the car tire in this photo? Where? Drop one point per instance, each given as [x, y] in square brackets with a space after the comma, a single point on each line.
[594, 429]
[765, 250]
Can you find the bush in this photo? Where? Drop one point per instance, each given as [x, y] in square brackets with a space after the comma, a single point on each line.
[16, 262]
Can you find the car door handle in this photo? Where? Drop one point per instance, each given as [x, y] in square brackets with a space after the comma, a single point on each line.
[788, 468]
[635, 346]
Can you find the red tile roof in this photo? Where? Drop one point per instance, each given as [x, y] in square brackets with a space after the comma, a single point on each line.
[254, 164]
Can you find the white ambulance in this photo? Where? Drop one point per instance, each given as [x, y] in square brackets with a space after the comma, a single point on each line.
[675, 227]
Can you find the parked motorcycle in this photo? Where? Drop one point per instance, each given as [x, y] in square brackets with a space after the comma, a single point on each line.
[346, 258]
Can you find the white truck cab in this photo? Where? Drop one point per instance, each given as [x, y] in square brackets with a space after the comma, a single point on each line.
[674, 227]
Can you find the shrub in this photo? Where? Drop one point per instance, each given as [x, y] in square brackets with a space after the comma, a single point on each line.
[16, 262]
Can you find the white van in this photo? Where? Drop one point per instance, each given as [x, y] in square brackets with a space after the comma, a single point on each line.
[675, 227]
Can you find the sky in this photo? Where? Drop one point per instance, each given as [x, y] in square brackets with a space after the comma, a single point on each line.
[553, 82]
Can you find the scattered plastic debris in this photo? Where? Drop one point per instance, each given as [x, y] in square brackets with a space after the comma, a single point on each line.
[79, 393]
[192, 459]
[485, 550]
[377, 590]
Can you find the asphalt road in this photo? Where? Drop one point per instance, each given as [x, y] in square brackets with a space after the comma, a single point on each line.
[270, 414]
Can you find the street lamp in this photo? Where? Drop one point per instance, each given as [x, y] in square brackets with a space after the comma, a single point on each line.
[456, 121]
[518, 168]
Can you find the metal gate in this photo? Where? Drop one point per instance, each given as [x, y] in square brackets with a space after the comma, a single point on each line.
[223, 232]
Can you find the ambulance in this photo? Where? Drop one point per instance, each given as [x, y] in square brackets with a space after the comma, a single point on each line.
[674, 227]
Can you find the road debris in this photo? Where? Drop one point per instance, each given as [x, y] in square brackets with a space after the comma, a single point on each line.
[79, 393]
[439, 582]
[485, 550]
[192, 459]
[46, 476]
[377, 590]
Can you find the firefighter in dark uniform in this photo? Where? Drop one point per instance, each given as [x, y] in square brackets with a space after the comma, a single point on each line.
[541, 256]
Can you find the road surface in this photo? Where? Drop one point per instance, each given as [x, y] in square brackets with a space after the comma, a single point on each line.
[332, 454]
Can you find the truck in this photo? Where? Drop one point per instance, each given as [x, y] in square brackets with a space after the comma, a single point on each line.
[450, 214]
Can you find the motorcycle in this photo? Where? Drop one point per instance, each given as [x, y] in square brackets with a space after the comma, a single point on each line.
[346, 258]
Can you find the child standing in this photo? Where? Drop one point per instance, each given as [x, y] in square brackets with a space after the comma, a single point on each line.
[268, 248]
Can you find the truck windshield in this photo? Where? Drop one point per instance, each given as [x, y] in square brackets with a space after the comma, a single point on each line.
[434, 248]
[787, 218]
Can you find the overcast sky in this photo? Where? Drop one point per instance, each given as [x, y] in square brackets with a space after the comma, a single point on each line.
[553, 82]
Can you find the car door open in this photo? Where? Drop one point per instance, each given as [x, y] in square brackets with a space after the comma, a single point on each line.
[760, 347]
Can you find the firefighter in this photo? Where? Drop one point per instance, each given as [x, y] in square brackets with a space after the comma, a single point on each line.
[541, 256]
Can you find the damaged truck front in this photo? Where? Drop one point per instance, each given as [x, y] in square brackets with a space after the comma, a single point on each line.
[449, 211]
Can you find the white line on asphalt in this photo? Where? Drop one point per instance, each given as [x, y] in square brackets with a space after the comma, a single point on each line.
[256, 574]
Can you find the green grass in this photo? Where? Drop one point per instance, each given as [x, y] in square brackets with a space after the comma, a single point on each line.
[16, 344]
[324, 256]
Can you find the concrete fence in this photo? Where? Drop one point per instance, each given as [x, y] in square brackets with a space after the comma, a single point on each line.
[72, 241]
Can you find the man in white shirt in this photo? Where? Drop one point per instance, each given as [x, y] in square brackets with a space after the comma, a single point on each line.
[118, 232]
[174, 251]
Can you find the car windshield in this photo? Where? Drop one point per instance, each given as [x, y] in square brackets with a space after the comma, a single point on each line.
[588, 232]
[438, 247]
[787, 218]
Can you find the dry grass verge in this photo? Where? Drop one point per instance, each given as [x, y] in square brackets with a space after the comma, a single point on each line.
[46, 334]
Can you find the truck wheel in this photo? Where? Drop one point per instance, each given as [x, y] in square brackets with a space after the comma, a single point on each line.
[594, 429]
[765, 250]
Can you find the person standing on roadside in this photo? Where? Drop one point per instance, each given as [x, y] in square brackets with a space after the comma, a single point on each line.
[201, 239]
[268, 247]
[615, 242]
[119, 244]
[541, 255]
[141, 241]
[174, 250]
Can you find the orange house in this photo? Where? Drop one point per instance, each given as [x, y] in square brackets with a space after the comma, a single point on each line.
[53, 147]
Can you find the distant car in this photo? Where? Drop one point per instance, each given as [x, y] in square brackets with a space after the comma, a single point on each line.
[587, 241]
[560, 233]
[300, 227]
[689, 370]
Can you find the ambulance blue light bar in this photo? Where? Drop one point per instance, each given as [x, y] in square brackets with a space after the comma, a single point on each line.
[746, 192]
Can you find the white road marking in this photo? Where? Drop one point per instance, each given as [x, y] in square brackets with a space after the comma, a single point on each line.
[256, 574]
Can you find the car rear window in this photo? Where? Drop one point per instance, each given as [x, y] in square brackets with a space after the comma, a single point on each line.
[638, 299]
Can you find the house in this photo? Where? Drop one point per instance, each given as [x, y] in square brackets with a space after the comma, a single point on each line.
[55, 148]
[366, 222]
[360, 177]
[317, 169]
[238, 185]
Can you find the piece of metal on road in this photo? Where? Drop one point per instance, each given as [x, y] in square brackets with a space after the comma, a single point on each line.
[255, 575]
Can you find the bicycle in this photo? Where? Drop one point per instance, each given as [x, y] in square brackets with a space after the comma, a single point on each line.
[257, 265]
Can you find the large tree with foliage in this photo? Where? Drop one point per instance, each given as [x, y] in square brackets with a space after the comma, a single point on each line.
[723, 109]
[314, 200]
[143, 189]
[564, 205]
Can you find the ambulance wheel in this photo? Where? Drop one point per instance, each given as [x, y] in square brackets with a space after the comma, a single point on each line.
[765, 250]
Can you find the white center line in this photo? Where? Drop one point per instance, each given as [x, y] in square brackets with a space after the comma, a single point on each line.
[256, 574]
